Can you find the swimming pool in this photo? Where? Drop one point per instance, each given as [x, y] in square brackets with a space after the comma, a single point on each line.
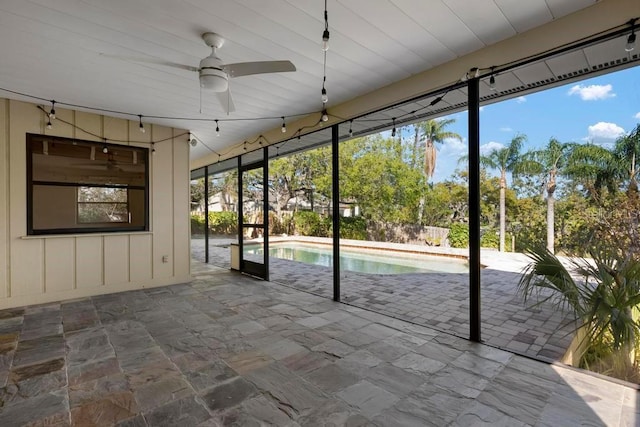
[361, 260]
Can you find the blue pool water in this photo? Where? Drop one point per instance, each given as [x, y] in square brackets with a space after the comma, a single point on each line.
[379, 262]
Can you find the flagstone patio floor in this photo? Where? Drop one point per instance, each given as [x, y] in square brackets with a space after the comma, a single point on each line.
[227, 349]
[438, 300]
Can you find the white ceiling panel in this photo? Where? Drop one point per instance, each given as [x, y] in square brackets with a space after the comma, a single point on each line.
[53, 50]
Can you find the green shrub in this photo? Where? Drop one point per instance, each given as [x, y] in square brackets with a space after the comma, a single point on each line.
[197, 224]
[459, 235]
[223, 222]
[308, 223]
[491, 239]
[353, 228]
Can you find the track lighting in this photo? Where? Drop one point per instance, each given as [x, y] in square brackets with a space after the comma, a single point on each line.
[631, 40]
[393, 131]
[141, 127]
[284, 126]
[350, 128]
[325, 116]
[52, 113]
[217, 128]
[325, 98]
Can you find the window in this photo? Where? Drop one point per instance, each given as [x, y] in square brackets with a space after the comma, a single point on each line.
[82, 186]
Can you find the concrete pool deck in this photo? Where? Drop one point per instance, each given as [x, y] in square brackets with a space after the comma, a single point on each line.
[438, 300]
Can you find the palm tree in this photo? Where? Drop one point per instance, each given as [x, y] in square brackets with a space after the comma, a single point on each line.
[549, 163]
[506, 160]
[627, 151]
[434, 131]
[603, 303]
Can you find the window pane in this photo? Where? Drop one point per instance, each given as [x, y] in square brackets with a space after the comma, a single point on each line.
[102, 212]
[102, 194]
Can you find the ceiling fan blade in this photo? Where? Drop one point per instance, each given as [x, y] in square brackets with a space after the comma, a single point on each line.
[247, 68]
[151, 61]
[226, 100]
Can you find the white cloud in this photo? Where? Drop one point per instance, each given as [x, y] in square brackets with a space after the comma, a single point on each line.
[490, 146]
[521, 99]
[637, 116]
[506, 129]
[454, 147]
[604, 131]
[592, 92]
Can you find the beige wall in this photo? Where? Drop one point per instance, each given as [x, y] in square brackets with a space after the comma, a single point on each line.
[38, 269]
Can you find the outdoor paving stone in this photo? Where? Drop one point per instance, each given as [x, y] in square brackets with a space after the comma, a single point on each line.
[309, 338]
[334, 413]
[229, 394]
[521, 403]
[247, 328]
[281, 349]
[264, 411]
[417, 362]
[387, 351]
[305, 362]
[44, 409]
[486, 368]
[185, 412]
[87, 391]
[396, 380]
[438, 352]
[11, 313]
[210, 376]
[246, 362]
[314, 322]
[334, 348]
[39, 350]
[437, 405]
[156, 393]
[378, 331]
[152, 373]
[483, 415]
[368, 398]
[27, 388]
[357, 339]
[105, 411]
[291, 393]
[459, 381]
[93, 370]
[332, 378]
[136, 421]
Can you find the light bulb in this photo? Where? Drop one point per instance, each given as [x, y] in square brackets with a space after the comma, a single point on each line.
[217, 129]
[393, 133]
[325, 98]
[284, 126]
[492, 83]
[325, 40]
[631, 42]
[52, 113]
[49, 125]
[325, 116]
[105, 150]
[142, 129]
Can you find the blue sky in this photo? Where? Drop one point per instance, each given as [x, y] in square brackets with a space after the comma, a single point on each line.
[599, 109]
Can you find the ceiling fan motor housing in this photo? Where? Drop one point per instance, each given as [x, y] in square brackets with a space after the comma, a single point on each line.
[212, 77]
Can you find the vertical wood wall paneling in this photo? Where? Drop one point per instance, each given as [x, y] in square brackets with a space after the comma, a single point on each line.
[27, 272]
[162, 177]
[181, 191]
[59, 264]
[89, 262]
[4, 193]
[116, 260]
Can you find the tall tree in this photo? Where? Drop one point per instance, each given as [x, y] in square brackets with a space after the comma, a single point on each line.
[549, 164]
[627, 151]
[433, 131]
[505, 160]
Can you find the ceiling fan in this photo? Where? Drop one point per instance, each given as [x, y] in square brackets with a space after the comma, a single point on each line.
[214, 74]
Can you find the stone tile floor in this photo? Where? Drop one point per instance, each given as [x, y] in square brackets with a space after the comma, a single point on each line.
[227, 349]
[438, 300]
